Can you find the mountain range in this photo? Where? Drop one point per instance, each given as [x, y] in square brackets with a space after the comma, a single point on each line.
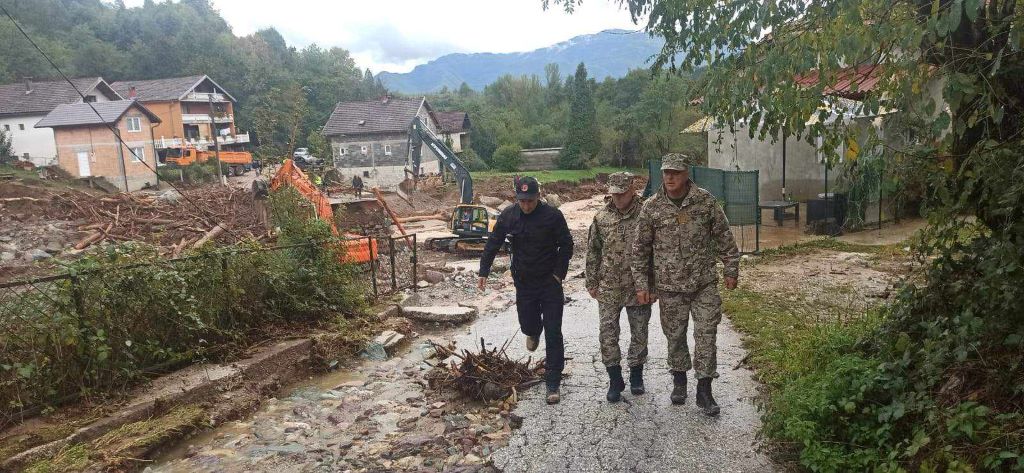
[608, 53]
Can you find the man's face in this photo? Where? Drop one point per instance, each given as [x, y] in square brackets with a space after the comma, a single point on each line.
[674, 180]
[528, 205]
[622, 201]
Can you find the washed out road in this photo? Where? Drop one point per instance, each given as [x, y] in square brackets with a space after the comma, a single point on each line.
[644, 433]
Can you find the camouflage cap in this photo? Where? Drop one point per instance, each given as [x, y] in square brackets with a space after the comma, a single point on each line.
[619, 182]
[675, 162]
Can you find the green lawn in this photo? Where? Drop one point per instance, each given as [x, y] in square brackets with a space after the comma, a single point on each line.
[569, 175]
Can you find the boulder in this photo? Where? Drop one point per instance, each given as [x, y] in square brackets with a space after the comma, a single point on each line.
[433, 277]
[37, 255]
[169, 196]
[7, 256]
[504, 205]
[446, 314]
[553, 200]
[491, 201]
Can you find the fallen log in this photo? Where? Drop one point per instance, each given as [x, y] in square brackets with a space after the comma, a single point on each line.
[420, 218]
[210, 235]
[89, 240]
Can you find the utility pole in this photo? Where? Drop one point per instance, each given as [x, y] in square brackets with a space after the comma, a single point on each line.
[120, 156]
[216, 144]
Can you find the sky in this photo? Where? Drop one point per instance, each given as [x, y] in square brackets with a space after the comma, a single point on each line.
[397, 35]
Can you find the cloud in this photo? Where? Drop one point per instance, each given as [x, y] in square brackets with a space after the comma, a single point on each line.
[386, 43]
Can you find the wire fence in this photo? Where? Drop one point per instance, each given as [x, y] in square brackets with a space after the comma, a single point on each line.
[108, 323]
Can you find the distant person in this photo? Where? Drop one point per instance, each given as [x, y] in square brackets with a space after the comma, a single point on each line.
[610, 281]
[681, 231]
[541, 250]
[357, 184]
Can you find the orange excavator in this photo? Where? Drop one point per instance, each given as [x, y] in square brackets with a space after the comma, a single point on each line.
[358, 249]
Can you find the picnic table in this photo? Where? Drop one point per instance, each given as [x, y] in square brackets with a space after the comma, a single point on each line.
[779, 208]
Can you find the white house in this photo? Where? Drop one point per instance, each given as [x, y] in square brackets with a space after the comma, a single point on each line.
[23, 104]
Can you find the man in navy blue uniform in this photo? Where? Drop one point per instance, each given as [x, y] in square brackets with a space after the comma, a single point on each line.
[541, 250]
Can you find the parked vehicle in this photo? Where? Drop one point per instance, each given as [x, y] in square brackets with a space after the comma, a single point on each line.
[235, 163]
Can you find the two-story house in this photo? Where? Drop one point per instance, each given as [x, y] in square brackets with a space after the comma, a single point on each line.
[87, 146]
[23, 104]
[370, 139]
[192, 110]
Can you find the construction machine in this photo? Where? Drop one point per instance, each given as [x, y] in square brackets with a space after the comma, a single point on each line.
[471, 223]
[235, 163]
[358, 248]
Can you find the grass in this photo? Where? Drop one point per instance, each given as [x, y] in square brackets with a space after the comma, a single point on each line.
[119, 447]
[882, 251]
[566, 175]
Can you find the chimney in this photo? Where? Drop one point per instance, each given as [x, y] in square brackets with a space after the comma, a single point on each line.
[132, 93]
[28, 84]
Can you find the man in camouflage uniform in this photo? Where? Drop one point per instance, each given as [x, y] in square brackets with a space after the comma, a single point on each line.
[610, 281]
[681, 230]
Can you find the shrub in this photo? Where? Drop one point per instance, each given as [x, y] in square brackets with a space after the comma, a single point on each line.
[506, 158]
[472, 161]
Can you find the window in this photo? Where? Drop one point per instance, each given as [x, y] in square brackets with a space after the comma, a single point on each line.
[90, 98]
[21, 126]
[387, 150]
[7, 127]
[138, 154]
[343, 151]
[362, 149]
[134, 124]
[26, 156]
[366, 173]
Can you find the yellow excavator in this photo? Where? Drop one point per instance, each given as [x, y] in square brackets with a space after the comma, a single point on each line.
[471, 223]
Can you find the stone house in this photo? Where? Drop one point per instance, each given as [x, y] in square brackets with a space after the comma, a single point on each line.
[86, 147]
[23, 104]
[370, 138]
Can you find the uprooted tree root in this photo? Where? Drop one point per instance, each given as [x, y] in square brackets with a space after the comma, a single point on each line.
[489, 375]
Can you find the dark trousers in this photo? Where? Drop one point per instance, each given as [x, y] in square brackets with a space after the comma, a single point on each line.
[539, 305]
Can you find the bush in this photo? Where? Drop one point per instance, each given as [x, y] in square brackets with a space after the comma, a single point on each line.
[506, 158]
[193, 174]
[472, 161]
[125, 312]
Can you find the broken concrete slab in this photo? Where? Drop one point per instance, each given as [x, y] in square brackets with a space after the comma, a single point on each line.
[444, 314]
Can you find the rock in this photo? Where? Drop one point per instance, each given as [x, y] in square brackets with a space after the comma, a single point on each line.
[169, 196]
[446, 314]
[455, 422]
[433, 277]
[290, 427]
[504, 205]
[515, 421]
[491, 201]
[422, 284]
[493, 392]
[390, 312]
[6, 238]
[7, 256]
[37, 255]
[553, 200]
[53, 247]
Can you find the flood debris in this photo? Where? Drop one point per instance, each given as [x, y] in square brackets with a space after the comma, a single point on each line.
[487, 375]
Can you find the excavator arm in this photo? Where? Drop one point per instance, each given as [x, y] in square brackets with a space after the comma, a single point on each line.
[419, 135]
[291, 175]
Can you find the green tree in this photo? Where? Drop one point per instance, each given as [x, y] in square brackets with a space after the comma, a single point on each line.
[6, 148]
[506, 158]
[583, 139]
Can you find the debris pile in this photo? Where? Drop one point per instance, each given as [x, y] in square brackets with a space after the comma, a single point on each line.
[489, 375]
[170, 220]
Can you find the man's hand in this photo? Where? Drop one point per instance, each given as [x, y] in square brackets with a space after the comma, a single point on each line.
[593, 292]
[482, 284]
[730, 283]
[643, 297]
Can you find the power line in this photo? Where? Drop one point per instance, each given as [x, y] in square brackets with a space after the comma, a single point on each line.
[117, 135]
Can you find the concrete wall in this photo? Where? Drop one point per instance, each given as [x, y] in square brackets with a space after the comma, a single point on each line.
[539, 159]
[104, 160]
[805, 175]
[459, 141]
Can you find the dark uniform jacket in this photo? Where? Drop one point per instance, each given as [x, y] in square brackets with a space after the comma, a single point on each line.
[541, 244]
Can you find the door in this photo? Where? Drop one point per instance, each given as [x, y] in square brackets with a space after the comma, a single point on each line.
[83, 164]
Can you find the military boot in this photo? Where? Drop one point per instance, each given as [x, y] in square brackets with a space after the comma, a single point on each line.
[636, 380]
[678, 387]
[552, 380]
[615, 383]
[704, 399]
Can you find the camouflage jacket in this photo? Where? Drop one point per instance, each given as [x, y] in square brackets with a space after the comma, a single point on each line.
[608, 244]
[682, 242]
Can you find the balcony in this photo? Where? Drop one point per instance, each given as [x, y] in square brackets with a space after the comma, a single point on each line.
[201, 143]
[193, 118]
[204, 97]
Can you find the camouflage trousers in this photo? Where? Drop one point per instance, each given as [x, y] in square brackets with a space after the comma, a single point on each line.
[706, 307]
[639, 318]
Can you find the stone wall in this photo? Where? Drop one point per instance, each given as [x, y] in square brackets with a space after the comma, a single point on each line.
[384, 156]
[539, 159]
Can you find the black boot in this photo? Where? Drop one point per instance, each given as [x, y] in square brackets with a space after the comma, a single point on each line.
[552, 380]
[615, 383]
[636, 380]
[704, 398]
[678, 387]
